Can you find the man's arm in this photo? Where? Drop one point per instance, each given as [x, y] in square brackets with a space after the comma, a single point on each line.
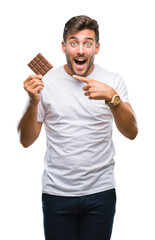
[29, 128]
[123, 113]
[125, 120]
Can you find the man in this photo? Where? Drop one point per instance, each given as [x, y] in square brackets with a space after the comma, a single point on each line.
[77, 103]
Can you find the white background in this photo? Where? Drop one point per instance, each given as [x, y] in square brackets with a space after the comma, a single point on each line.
[127, 47]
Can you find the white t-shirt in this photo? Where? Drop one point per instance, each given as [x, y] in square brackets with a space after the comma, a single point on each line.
[80, 154]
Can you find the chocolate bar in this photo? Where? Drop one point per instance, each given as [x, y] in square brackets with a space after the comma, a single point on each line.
[40, 65]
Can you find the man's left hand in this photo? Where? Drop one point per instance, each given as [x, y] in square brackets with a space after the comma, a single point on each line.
[96, 90]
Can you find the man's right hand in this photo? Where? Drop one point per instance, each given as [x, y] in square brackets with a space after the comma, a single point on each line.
[33, 85]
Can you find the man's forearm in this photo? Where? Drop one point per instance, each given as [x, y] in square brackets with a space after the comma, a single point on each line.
[28, 127]
[125, 120]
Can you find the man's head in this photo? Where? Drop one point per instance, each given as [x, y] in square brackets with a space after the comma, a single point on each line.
[79, 23]
[80, 44]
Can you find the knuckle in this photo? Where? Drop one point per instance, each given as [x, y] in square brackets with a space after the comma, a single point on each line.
[28, 89]
[25, 86]
[31, 76]
[24, 82]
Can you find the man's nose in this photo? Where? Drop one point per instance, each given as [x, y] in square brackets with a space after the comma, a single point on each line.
[81, 48]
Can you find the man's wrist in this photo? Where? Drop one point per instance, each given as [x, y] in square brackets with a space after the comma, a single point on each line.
[115, 101]
[33, 100]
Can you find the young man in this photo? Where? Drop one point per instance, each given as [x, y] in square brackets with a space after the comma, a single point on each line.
[77, 103]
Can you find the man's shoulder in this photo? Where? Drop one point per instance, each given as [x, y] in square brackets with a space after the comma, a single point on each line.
[113, 79]
[104, 75]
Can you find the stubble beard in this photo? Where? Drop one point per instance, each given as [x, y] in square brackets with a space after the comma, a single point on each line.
[69, 63]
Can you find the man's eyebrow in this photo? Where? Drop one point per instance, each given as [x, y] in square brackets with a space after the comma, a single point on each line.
[72, 38]
[89, 38]
[86, 38]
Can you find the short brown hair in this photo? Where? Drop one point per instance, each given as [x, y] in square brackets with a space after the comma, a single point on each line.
[79, 23]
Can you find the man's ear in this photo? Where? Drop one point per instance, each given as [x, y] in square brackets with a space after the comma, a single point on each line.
[63, 46]
[97, 48]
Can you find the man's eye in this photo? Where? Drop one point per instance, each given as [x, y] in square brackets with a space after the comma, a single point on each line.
[73, 44]
[87, 44]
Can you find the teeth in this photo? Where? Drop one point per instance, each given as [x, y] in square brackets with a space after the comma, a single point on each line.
[80, 59]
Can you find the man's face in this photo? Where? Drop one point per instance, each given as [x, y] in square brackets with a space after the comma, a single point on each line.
[80, 49]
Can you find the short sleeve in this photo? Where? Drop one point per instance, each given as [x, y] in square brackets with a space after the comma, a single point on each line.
[41, 111]
[120, 88]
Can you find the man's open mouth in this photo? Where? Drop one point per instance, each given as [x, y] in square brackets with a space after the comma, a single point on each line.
[80, 62]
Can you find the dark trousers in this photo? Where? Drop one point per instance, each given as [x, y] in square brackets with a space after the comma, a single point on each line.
[84, 218]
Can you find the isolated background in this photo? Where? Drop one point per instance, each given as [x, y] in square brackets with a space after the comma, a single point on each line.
[128, 47]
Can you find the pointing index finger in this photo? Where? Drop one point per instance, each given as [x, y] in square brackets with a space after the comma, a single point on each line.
[83, 79]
